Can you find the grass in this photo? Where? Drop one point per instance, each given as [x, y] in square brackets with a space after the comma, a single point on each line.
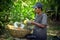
[53, 31]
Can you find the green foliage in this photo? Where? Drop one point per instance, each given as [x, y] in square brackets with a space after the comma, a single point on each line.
[5, 6]
[22, 10]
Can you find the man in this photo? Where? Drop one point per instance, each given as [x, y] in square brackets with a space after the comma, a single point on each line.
[39, 31]
[40, 23]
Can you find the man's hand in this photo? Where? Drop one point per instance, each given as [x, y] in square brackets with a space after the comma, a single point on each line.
[32, 22]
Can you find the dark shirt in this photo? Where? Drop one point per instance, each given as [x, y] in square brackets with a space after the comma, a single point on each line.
[38, 31]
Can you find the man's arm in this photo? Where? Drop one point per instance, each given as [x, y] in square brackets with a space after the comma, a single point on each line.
[43, 22]
[38, 24]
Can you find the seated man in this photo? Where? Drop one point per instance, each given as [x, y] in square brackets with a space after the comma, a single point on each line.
[40, 30]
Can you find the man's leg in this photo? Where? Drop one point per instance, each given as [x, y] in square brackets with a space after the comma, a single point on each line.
[31, 36]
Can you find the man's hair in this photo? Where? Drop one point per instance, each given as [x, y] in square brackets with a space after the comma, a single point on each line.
[40, 8]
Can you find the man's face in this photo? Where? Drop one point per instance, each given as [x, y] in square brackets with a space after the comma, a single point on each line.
[37, 10]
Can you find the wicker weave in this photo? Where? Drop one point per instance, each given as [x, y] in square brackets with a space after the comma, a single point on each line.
[19, 32]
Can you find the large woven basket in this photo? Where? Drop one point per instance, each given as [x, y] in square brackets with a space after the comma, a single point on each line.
[19, 32]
